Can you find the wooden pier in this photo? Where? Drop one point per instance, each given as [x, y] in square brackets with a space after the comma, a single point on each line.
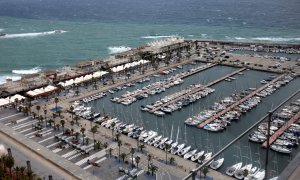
[201, 125]
[282, 129]
[180, 77]
[197, 89]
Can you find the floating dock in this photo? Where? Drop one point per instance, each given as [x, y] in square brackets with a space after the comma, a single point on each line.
[197, 89]
[180, 77]
[282, 129]
[201, 125]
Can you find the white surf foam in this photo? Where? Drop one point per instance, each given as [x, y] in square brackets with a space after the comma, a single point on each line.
[158, 36]
[24, 35]
[276, 39]
[27, 71]
[239, 38]
[118, 49]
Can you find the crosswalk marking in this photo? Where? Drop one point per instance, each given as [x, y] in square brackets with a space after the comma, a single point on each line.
[42, 133]
[33, 132]
[100, 160]
[9, 116]
[57, 150]
[48, 138]
[24, 125]
[99, 154]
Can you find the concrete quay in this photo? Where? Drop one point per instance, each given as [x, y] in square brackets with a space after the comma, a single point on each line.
[63, 167]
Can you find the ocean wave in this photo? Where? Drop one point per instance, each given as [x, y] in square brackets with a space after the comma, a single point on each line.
[21, 35]
[239, 38]
[4, 77]
[118, 49]
[273, 39]
[158, 36]
[27, 71]
[276, 39]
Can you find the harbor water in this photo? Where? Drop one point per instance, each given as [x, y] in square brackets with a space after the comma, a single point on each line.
[173, 126]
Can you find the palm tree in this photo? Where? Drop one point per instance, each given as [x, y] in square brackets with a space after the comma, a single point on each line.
[202, 158]
[45, 112]
[98, 144]
[123, 156]
[50, 121]
[142, 146]
[149, 157]
[63, 122]
[113, 124]
[72, 127]
[137, 161]
[94, 130]
[137, 140]
[58, 112]
[110, 151]
[82, 130]
[205, 170]
[117, 136]
[16, 102]
[245, 173]
[172, 160]
[132, 151]
[38, 108]
[153, 169]
[77, 92]
[167, 146]
[87, 140]
[72, 109]
[9, 162]
[77, 135]
[76, 118]
[57, 126]
[56, 100]
[119, 145]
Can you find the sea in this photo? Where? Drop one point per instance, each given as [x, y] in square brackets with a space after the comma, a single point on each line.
[99, 28]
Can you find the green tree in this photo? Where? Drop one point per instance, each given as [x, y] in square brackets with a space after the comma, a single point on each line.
[137, 161]
[94, 130]
[205, 170]
[119, 145]
[142, 146]
[132, 151]
[56, 100]
[149, 158]
[82, 130]
[123, 156]
[167, 146]
[62, 123]
[76, 118]
[153, 169]
[172, 160]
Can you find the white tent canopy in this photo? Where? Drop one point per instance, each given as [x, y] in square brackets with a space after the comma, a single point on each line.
[11, 99]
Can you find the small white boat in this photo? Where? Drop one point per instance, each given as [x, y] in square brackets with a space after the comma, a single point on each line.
[258, 175]
[207, 156]
[281, 149]
[217, 164]
[240, 173]
[190, 154]
[234, 168]
[177, 149]
[184, 151]
[195, 157]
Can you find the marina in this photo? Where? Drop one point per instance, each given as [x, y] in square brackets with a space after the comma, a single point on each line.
[216, 91]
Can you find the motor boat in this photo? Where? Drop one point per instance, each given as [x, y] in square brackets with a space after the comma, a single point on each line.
[281, 149]
[240, 173]
[177, 149]
[195, 157]
[207, 156]
[190, 154]
[217, 164]
[230, 171]
[184, 151]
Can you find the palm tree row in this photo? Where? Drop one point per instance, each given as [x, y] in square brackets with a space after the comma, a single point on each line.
[8, 170]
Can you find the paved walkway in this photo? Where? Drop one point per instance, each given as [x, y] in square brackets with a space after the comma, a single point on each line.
[67, 169]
